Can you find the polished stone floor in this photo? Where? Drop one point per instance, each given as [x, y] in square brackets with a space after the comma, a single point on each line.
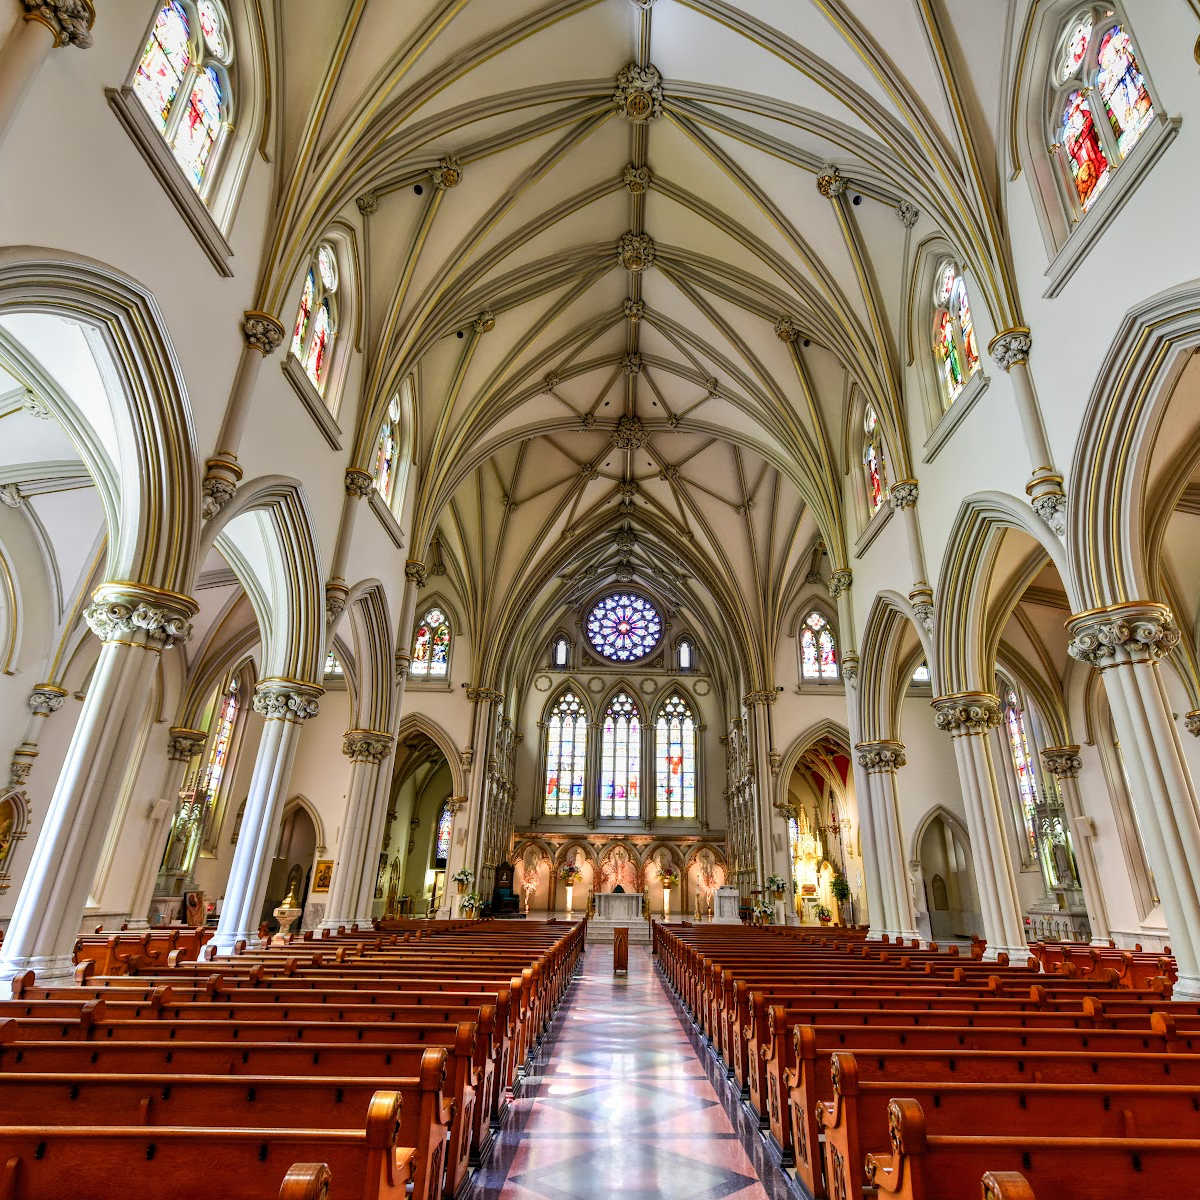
[625, 1100]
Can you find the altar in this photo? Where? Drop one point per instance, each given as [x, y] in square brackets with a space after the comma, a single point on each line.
[618, 907]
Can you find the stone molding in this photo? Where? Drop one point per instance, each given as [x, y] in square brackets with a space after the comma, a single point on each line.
[883, 755]
[366, 745]
[70, 21]
[132, 612]
[1138, 632]
[1063, 761]
[286, 699]
[448, 173]
[966, 713]
[184, 743]
[262, 332]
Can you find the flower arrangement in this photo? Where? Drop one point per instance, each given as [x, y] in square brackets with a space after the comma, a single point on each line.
[670, 879]
[764, 912]
[472, 903]
[569, 873]
[823, 914]
[464, 876]
[840, 889]
[776, 884]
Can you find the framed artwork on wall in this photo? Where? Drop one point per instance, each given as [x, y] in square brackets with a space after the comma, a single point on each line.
[323, 875]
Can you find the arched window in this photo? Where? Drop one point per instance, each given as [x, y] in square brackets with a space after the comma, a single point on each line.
[431, 646]
[921, 674]
[818, 650]
[675, 760]
[954, 346]
[441, 840]
[566, 757]
[1023, 765]
[620, 759]
[387, 450]
[560, 652]
[684, 654]
[333, 664]
[317, 319]
[874, 463]
[183, 83]
[1098, 104]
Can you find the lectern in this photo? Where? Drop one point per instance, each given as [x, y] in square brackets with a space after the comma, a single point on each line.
[621, 950]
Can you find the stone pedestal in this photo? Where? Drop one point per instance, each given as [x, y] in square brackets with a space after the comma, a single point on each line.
[725, 907]
[625, 907]
[286, 915]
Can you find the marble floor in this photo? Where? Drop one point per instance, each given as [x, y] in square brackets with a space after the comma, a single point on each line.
[625, 1099]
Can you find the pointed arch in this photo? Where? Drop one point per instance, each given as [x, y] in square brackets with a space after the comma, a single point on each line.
[299, 800]
[621, 726]
[881, 686]
[676, 739]
[567, 719]
[374, 655]
[419, 723]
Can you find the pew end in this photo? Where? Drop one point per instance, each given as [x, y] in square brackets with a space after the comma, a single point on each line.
[306, 1181]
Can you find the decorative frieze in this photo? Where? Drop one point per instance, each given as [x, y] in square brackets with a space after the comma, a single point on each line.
[286, 699]
[883, 755]
[1010, 347]
[635, 251]
[366, 745]
[70, 21]
[1063, 761]
[638, 94]
[1121, 634]
[128, 612]
[184, 744]
[966, 713]
[262, 332]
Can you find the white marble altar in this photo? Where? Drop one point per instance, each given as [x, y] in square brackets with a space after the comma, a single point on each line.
[619, 906]
[725, 907]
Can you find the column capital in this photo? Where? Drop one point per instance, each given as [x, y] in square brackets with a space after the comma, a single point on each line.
[840, 580]
[1063, 761]
[183, 743]
[70, 21]
[766, 696]
[966, 712]
[1119, 634]
[414, 572]
[366, 745]
[488, 695]
[45, 698]
[1010, 347]
[1191, 722]
[262, 331]
[882, 755]
[358, 483]
[850, 663]
[287, 699]
[904, 493]
[336, 594]
[140, 615]
[455, 804]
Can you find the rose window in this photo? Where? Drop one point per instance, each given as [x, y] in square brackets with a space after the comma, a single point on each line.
[624, 627]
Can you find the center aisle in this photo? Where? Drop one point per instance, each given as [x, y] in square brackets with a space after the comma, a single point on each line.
[620, 1103]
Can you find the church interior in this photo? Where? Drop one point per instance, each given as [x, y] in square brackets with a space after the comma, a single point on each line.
[618, 569]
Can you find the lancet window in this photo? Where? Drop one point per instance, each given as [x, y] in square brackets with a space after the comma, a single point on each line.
[566, 757]
[316, 327]
[874, 462]
[955, 349]
[818, 650]
[431, 646]
[621, 759]
[675, 760]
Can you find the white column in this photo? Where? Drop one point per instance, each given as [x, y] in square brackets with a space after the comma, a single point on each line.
[1010, 351]
[969, 717]
[379, 800]
[44, 700]
[135, 624]
[222, 473]
[872, 873]
[285, 704]
[880, 760]
[770, 860]
[358, 485]
[1126, 643]
[366, 749]
[902, 496]
[1064, 763]
[44, 25]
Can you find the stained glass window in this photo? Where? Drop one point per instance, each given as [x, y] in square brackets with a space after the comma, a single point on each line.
[218, 752]
[620, 759]
[431, 645]
[675, 760]
[562, 651]
[1100, 104]
[316, 325]
[566, 757]
[818, 650]
[685, 655]
[182, 81]
[387, 448]
[1023, 766]
[873, 461]
[624, 627]
[954, 345]
[441, 842]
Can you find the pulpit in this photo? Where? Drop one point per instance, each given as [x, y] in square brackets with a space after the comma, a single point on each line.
[725, 907]
[618, 906]
[621, 950]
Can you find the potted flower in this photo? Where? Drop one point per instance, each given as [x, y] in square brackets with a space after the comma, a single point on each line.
[463, 879]
[570, 874]
[840, 889]
[669, 879]
[763, 912]
[776, 884]
[823, 914]
[472, 904]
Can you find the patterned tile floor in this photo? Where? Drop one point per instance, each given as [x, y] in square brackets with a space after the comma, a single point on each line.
[625, 1099]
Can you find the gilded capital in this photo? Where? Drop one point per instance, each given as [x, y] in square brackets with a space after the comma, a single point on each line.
[765, 696]
[638, 94]
[1010, 347]
[904, 493]
[414, 572]
[70, 21]
[488, 695]
[45, 698]
[183, 743]
[262, 332]
[1121, 634]
[358, 482]
[883, 755]
[141, 615]
[1063, 761]
[840, 580]
[485, 322]
[787, 330]
[966, 713]
[366, 745]
[286, 700]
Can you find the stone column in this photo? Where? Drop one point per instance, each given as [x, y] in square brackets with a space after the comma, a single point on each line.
[222, 473]
[414, 581]
[902, 496]
[44, 25]
[135, 624]
[366, 749]
[1064, 763]
[358, 485]
[164, 816]
[881, 760]
[763, 812]
[285, 704]
[969, 718]
[44, 700]
[1125, 643]
[379, 801]
[1010, 352]
[872, 871]
[475, 764]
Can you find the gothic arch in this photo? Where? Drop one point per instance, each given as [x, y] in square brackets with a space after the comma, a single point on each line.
[416, 722]
[952, 819]
[371, 628]
[880, 688]
[299, 800]
[592, 708]
[144, 462]
[266, 534]
[824, 728]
